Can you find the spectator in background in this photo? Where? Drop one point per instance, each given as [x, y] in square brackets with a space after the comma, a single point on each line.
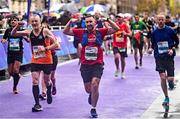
[65, 18]
[98, 18]
[1, 23]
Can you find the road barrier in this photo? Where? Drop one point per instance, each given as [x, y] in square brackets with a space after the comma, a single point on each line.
[65, 41]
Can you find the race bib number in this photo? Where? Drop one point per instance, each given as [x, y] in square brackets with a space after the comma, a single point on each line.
[91, 53]
[38, 54]
[163, 47]
[14, 44]
[119, 37]
[122, 49]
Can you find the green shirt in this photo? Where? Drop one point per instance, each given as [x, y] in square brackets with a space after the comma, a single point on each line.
[138, 26]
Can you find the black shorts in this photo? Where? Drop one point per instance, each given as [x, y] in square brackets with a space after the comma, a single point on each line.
[137, 45]
[90, 71]
[149, 35]
[55, 62]
[46, 68]
[122, 52]
[163, 66]
[12, 57]
[76, 42]
[109, 37]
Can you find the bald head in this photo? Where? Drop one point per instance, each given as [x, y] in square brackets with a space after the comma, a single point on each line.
[35, 21]
[160, 19]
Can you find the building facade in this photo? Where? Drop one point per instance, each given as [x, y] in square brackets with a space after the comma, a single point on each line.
[116, 6]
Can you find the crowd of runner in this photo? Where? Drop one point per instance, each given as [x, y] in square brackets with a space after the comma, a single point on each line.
[94, 36]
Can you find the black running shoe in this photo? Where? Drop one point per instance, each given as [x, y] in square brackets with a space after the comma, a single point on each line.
[15, 90]
[171, 85]
[140, 63]
[89, 99]
[37, 108]
[136, 67]
[42, 97]
[49, 95]
[54, 91]
[93, 113]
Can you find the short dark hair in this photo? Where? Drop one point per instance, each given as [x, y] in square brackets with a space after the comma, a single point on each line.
[136, 15]
[167, 17]
[13, 17]
[89, 15]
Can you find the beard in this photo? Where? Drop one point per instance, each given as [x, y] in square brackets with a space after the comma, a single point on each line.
[90, 27]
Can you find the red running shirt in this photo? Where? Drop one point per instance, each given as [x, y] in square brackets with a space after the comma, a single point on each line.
[119, 40]
[91, 53]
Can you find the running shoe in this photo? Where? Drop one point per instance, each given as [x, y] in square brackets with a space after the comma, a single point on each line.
[37, 108]
[171, 85]
[140, 63]
[117, 72]
[122, 75]
[49, 95]
[136, 67]
[15, 91]
[165, 102]
[54, 90]
[94, 113]
[89, 99]
[43, 96]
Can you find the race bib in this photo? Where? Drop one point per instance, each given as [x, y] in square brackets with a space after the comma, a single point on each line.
[163, 47]
[38, 54]
[122, 49]
[145, 33]
[120, 37]
[14, 44]
[91, 53]
[136, 31]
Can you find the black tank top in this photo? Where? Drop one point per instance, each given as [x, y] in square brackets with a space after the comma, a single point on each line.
[15, 44]
[37, 40]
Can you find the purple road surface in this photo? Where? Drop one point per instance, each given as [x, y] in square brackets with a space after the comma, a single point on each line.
[127, 98]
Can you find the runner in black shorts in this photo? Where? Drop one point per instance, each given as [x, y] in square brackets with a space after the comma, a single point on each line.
[42, 42]
[91, 56]
[164, 53]
[120, 46]
[122, 53]
[42, 96]
[14, 53]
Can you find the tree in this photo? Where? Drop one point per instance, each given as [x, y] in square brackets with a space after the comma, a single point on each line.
[151, 6]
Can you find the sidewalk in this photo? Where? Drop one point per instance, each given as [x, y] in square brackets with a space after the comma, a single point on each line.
[155, 111]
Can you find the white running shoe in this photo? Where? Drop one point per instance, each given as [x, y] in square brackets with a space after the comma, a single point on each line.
[123, 75]
[117, 72]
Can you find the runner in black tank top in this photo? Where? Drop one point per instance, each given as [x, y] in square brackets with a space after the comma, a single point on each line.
[41, 56]
[14, 52]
